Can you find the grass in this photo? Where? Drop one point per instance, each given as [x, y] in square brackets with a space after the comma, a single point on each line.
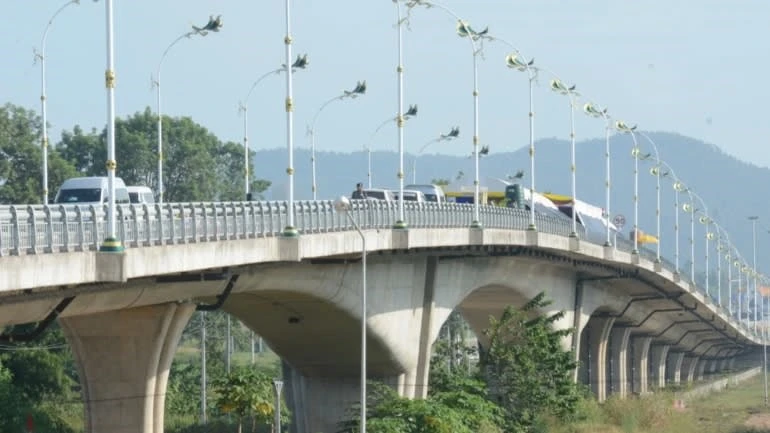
[722, 412]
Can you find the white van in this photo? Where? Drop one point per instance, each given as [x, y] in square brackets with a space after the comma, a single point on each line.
[379, 194]
[140, 194]
[433, 193]
[411, 195]
[90, 190]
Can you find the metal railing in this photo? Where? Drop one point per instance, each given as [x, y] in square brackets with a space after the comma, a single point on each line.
[63, 228]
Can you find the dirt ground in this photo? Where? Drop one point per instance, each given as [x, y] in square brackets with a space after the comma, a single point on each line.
[759, 421]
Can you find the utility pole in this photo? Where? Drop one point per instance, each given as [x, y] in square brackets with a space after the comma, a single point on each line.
[203, 367]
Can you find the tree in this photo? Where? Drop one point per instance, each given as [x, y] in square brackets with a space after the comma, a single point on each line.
[526, 367]
[37, 380]
[21, 158]
[197, 166]
[245, 392]
[85, 151]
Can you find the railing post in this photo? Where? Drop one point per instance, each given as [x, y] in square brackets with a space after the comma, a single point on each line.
[95, 225]
[33, 230]
[182, 224]
[235, 220]
[171, 223]
[193, 224]
[147, 225]
[215, 213]
[253, 217]
[159, 223]
[205, 218]
[134, 227]
[121, 221]
[65, 221]
[48, 246]
[16, 229]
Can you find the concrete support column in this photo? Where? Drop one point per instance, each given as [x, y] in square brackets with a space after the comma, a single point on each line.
[688, 368]
[619, 359]
[712, 366]
[701, 368]
[416, 385]
[319, 402]
[731, 363]
[723, 364]
[641, 360]
[674, 367]
[123, 360]
[600, 337]
[658, 356]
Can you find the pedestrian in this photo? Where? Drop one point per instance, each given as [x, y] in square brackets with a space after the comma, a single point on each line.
[359, 193]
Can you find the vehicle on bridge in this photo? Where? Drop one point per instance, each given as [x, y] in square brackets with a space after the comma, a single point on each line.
[140, 194]
[433, 193]
[90, 190]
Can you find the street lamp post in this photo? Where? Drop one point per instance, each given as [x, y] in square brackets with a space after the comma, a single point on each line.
[289, 230]
[360, 89]
[557, 85]
[44, 98]
[753, 220]
[453, 133]
[720, 252]
[656, 171]
[678, 187]
[594, 111]
[277, 386]
[343, 205]
[635, 152]
[213, 25]
[400, 119]
[464, 30]
[690, 208]
[412, 111]
[517, 61]
[111, 242]
[301, 63]
[706, 221]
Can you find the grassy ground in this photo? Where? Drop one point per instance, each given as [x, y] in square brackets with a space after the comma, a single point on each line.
[737, 410]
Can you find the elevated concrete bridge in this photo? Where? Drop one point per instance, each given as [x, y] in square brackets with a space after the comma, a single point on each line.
[639, 325]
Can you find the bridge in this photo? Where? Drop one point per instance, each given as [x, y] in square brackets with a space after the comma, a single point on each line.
[640, 324]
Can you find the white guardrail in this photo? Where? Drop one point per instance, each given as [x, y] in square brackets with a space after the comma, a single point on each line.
[38, 229]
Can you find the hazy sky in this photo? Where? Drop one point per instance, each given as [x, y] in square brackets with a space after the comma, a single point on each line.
[693, 67]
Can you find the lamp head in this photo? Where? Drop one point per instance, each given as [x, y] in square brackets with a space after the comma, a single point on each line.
[559, 87]
[342, 204]
[623, 127]
[687, 207]
[514, 61]
[360, 89]
[592, 110]
[453, 133]
[465, 30]
[302, 62]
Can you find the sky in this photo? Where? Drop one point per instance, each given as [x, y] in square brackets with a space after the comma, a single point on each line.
[685, 66]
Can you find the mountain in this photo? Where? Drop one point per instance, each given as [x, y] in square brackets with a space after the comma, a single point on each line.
[731, 189]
